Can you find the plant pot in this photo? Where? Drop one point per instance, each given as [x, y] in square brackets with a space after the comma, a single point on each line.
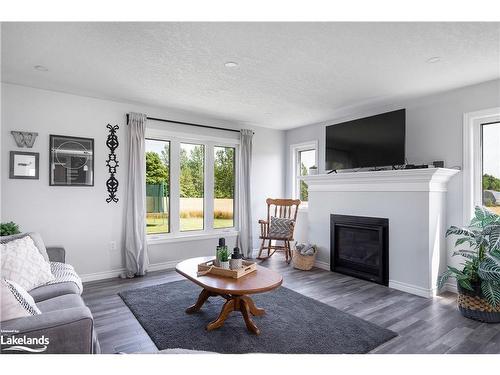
[224, 265]
[473, 305]
[235, 264]
[313, 171]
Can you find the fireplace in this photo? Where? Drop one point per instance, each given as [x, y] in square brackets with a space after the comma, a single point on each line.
[359, 247]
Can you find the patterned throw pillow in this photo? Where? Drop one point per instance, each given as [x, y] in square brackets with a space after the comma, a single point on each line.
[36, 237]
[280, 228]
[22, 263]
[16, 302]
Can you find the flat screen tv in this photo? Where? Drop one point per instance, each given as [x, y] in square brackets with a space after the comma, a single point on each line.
[374, 141]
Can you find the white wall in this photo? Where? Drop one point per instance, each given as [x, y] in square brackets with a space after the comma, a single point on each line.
[433, 132]
[79, 217]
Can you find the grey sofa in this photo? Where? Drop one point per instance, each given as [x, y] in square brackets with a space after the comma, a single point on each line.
[65, 320]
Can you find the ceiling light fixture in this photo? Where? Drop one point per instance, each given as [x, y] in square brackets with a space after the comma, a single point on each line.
[434, 60]
[231, 64]
[40, 68]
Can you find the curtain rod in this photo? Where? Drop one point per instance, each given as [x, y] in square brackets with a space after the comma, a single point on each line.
[190, 124]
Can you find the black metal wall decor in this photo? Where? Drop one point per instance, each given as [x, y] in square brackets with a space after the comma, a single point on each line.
[112, 163]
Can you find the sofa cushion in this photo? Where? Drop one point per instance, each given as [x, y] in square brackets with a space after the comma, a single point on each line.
[16, 302]
[53, 290]
[37, 240]
[64, 302]
[22, 263]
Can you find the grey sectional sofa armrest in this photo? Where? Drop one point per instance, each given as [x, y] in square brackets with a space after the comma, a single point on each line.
[56, 254]
[68, 331]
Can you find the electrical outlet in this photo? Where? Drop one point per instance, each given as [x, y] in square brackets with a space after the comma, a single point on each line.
[112, 246]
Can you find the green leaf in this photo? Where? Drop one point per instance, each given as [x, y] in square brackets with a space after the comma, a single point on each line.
[491, 292]
[460, 232]
[467, 255]
[465, 283]
[495, 253]
[484, 217]
[495, 238]
[489, 269]
[456, 272]
[482, 241]
[463, 240]
[443, 278]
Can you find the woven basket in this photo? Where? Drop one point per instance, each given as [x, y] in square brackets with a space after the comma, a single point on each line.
[474, 306]
[303, 262]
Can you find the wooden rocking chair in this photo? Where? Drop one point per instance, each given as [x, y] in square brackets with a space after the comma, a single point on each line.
[283, 209]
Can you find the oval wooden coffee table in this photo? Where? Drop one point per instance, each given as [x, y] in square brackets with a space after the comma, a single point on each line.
[235, 291]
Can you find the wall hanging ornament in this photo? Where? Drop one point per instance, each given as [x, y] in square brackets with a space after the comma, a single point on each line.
[112, 164]
[24, 138]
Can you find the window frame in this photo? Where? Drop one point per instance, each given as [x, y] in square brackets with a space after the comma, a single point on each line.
[209, 142]
[295, 149]
[204, 187]
[169, 184]
[235, 186]
[473, 158]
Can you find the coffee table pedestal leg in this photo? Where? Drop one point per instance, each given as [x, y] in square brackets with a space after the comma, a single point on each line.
[202, 298]
[245, 305]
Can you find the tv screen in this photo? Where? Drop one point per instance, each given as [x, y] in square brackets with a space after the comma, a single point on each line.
[374, 141]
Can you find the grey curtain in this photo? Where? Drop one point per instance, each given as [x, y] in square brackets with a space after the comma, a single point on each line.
[136, 254]
[245, 204]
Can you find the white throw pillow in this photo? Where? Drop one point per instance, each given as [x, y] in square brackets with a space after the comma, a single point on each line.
[22, 263]
[16, 302]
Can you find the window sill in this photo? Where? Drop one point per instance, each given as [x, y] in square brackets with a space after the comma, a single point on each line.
[183, 237]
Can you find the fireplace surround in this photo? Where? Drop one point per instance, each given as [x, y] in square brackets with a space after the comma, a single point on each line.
[359, 247]
[414, 201]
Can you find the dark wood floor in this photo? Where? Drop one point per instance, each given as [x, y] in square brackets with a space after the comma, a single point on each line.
[423, 325]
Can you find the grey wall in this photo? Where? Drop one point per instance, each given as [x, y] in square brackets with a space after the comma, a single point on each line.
[78, 217]
[433, 132]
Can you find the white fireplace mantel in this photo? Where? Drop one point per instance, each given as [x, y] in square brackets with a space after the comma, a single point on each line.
[426, 179]
[413, 200]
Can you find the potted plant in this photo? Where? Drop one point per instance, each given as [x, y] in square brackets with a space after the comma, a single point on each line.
[8, 229]
[223, 257]
[478, 282]
[313, 170]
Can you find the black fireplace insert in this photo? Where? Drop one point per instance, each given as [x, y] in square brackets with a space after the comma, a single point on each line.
[359, 247]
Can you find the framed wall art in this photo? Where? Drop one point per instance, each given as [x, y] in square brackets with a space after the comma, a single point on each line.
[24, 165]
[71, 161]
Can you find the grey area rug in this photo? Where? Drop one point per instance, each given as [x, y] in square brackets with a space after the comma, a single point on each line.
[293, 323]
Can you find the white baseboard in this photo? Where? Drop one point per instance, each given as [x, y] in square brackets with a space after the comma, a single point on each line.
[322, 265]
[164, 265]
[103, 275]
[413, 289]
[404, 287]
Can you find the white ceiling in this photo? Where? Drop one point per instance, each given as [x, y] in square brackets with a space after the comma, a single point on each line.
[289, 74]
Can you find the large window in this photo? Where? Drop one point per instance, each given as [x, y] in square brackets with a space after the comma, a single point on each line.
[490, 140]
[157, 186]
[224, 183]
[481, 161]
[192, 186]
[304, 157]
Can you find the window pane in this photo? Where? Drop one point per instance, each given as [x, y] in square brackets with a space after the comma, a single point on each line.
[306, 160]
[224, 183]
[157, 186]
[192, 161]
[491, 166]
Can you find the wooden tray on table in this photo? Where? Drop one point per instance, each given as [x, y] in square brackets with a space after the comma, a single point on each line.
[209, 268]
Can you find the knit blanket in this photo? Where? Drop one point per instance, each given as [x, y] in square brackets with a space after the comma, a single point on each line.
[64, 273]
